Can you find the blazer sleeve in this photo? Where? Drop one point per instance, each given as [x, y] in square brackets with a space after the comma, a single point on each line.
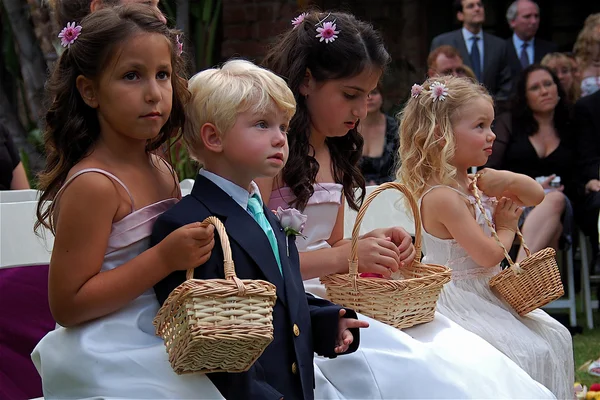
[435, 43]
[585, 145]
[324, 317]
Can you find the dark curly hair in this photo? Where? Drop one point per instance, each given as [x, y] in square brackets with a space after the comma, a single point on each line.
[71, 126]
[296, 50]
[523, 121]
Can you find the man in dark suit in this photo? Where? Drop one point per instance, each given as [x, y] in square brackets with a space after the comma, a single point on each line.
[523, 47]
[485, 54]
[234, 153]
[587, 119]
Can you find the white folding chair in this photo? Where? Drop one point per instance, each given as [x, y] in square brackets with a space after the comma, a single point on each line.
[15, 196]
[570, 301]
[186, 186]
[19, 245]
[386, 210]
[588, 304]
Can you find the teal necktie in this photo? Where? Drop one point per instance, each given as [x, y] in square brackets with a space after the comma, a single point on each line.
[256, 210]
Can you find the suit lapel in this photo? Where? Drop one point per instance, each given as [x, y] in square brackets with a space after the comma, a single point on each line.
[459, 43]
[241, 228]
[291, 286]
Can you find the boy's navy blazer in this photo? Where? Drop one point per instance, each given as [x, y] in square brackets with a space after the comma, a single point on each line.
[302, 323]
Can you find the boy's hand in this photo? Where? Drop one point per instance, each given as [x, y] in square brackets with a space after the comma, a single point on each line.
[345, 337]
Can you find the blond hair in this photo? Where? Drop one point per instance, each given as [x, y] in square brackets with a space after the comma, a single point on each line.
[558, 60]
[427, 141]
[220, 94]
[588, 38]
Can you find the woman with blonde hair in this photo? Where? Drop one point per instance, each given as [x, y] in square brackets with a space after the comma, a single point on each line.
[561, 65]
[587, 51]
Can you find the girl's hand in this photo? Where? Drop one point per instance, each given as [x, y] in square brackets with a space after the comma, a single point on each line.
[507, 215]
[345, 337]
[187, 247]
[401, 239]
[378, 255]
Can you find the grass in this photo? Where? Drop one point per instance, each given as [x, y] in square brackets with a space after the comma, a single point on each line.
[586, 346]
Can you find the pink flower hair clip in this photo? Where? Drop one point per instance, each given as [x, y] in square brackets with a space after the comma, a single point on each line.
[69, 34]
[416, 90]
[439, 91]
[327, 31]
[299, 19]
[179, 45]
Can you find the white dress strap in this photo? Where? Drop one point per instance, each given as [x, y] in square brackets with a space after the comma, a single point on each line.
[448, 187]
[100, 171]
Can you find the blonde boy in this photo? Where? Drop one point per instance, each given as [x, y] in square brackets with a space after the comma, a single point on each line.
[236, 125]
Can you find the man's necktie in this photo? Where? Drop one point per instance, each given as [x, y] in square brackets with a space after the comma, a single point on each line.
[476, 58]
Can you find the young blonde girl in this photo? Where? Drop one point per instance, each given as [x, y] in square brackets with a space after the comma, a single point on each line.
[116, 98]
[446, 129]
[331, 81]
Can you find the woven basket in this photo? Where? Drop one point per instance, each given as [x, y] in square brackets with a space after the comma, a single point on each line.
[404, 301]
[217, 325]
[530, 284]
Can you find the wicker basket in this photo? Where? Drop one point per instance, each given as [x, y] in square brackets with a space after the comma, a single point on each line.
[217, 325]
[530, 284]
[403, 302]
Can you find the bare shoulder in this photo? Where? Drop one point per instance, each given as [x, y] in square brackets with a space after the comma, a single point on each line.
[443, 199]
[166, 173]
[92, 189]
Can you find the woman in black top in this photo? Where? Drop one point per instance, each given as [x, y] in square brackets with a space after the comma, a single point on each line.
[380, 133]
[12, 172]
[539, 145]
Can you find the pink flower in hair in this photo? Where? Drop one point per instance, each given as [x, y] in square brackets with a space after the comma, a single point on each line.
[179, 45]
[298, 20]
[328, 32]
[416, 90]
[439, 91]
[69, 34]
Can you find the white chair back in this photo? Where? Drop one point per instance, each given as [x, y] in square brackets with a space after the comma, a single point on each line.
[386, 210]
[186, 186]
[19, 245]
[16, 196]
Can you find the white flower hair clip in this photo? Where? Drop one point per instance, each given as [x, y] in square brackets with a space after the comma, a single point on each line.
[299, 19]
[416, 90]
[69, 34]
[439, 91]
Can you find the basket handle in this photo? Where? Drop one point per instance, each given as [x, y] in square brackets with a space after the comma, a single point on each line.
[353, 269]
[513, 265]
[228, 259]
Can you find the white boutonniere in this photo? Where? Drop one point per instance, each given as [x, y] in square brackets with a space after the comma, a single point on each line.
[293, 222]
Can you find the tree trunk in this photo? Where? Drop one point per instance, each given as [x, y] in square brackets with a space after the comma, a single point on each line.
[45, 29]
[183, 16]
[31, 59]
[9, 119]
